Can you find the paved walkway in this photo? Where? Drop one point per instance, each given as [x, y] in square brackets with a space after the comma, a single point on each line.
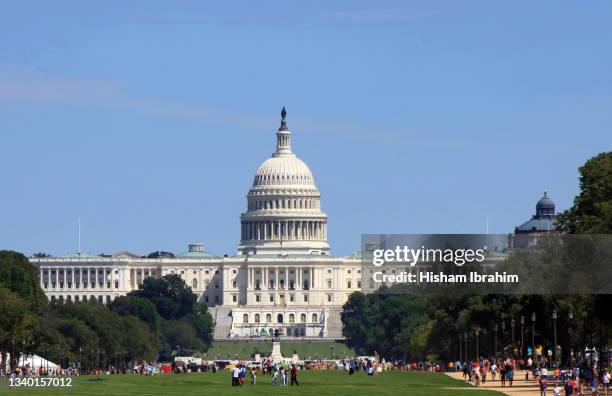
[520, 387]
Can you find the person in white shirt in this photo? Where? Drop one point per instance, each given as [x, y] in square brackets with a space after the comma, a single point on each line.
[606, 380]
[235, 375]
[557, 390]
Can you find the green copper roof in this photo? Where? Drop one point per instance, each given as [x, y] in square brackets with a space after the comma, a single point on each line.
[202, 254]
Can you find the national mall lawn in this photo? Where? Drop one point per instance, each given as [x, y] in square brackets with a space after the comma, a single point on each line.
[319, 383]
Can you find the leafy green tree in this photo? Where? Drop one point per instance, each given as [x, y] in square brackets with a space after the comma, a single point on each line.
[592, 209]
[20, 276]
[172, 298]
[16, 324]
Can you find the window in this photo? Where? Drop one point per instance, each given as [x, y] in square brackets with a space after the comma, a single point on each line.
[216, 285]
[257, 319]
[359, 284]
[206, 299]
[207, 272]
[234, 298]
[291, 297]
[268, 318]
[305, 297]
[116, 284]
[234, 283]
[329, 298]
[245, 318]
[194, 284]
[271, 297]
[257, 297]
[348, 284]
[314, 318]
[291, 318]
[303, 318]
[329, 284]
[279, 318]
[233, 271]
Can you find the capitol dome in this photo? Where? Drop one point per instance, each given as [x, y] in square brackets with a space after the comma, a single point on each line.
[283, 170]
[283, 205]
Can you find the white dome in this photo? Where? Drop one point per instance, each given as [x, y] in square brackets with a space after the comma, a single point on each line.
[283, 170]
[283, 206]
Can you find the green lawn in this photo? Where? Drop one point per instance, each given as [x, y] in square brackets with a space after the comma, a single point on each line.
[305, 349]
[320, 383]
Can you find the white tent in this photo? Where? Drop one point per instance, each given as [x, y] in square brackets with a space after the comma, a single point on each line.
[36, 362]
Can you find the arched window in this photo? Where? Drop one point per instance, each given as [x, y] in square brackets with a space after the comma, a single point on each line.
[257, 319]
[268, 318]
[303, 318]
[314, 318]
[194, 284]
[245, 318]
[291, 318]
[279, 318]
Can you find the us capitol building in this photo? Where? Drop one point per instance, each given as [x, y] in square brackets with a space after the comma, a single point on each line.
[282, 277]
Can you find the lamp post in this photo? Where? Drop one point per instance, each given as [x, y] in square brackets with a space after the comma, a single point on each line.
[584, 316]
[465, 346]
[460, 348]
[554, 316]
[477, 331]
[570, 316]
[533, 351]
[495, 330]
[512, 326]
[522, 334]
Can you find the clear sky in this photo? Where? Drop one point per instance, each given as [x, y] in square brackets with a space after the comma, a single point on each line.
[148, 119]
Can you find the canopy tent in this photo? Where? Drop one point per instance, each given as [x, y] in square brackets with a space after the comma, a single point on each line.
[36, 362]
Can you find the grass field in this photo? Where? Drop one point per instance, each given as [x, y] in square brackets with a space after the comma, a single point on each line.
[305, 349]
[320, 383]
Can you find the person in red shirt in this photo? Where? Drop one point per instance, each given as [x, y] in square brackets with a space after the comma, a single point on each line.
[294, 376]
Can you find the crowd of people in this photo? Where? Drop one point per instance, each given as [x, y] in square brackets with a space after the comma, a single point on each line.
[578, 380]
[280, 373]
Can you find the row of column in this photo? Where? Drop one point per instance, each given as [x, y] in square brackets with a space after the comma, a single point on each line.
[264, 278]
[285, 229]
[91, 278]
[292, 203]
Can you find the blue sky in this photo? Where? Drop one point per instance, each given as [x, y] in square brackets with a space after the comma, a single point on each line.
[148, 119]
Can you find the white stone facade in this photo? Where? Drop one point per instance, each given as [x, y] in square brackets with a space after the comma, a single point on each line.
[282, 278]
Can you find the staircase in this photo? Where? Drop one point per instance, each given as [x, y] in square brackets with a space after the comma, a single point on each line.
[223, 322]
[334, 323]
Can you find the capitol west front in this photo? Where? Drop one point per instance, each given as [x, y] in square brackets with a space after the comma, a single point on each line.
[282, 277]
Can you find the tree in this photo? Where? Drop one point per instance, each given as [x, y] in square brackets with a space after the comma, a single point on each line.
[16, 324]
[172, 298]
[592, 209]
[21, 277]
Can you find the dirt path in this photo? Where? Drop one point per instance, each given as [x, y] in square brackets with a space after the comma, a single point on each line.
[520, 387]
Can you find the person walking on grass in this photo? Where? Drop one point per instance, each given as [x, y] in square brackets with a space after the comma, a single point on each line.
[510, 376]
[294, 376]
[253, 375]
[543, 385]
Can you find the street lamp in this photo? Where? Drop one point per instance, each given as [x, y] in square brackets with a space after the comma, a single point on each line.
[584, 316]
[533, 319]
[465, 346]
[495, 329]
[554, 316]
[477, 331]
[522, 334]
[512, 325]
